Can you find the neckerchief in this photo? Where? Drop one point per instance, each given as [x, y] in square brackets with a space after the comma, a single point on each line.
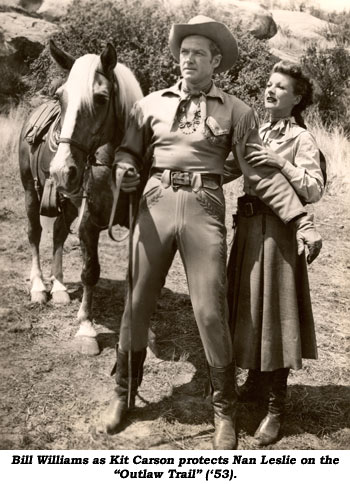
[187, 125]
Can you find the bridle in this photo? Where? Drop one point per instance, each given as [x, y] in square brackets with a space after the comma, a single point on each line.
[90, 152]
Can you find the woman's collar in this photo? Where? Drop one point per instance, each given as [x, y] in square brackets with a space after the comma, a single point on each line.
[283, 127]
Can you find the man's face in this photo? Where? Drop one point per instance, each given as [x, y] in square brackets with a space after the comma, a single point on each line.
[197, 64]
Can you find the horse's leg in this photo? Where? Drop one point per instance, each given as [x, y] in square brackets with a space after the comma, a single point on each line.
[86, 336]
[60, 232]
[37, 289]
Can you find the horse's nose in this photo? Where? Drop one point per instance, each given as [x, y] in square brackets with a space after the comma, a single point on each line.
[66, 177]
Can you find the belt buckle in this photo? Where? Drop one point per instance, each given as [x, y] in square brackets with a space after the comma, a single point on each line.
[180, 179]
[248, 209]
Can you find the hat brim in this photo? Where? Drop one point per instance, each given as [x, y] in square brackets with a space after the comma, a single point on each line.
[215, 31]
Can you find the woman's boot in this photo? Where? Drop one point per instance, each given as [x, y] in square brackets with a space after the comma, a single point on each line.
[224, 401]
[114, 417]
[270, 426]
[254, 389]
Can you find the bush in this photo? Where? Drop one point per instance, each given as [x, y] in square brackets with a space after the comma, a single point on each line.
[140, 36]
[13, 87]
[330, 68]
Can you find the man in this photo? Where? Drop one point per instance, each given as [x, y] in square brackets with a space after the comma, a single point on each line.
[190, 128]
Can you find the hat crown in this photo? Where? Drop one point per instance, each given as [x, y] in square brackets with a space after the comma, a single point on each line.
[200, 19]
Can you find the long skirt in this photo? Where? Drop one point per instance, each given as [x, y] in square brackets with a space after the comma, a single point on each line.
[271, 319]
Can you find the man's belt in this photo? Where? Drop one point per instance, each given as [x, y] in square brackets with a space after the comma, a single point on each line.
[184, 178]
[248, 206]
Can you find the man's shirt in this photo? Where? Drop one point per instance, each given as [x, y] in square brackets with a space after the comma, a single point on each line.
[155, 124]
[227, 124]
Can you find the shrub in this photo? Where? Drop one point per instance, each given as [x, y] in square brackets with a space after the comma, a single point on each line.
[140, 36]
[330, 68]
[13, 87]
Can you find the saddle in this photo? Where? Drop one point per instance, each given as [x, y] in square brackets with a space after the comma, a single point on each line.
[40, 121]
[40, 133]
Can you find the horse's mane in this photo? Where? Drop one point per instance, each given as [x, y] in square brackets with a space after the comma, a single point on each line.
[81, 79]
[129, 90]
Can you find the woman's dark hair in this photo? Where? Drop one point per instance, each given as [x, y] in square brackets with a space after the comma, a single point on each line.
[302, 86]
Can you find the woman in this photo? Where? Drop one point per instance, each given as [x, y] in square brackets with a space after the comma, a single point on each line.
[269, 298]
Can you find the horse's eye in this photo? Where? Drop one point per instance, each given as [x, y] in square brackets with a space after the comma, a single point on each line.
[100, 100]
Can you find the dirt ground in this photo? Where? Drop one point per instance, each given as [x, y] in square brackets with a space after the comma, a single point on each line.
[52, 396]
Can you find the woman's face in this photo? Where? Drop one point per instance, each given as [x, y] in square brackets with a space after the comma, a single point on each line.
[279, 95]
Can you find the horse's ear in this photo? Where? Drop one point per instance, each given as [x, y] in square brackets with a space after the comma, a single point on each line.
[63, 59]
[108, 58]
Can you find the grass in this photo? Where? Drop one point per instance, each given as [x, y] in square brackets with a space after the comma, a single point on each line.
[336, 148]
[10, 126]
[53, 396]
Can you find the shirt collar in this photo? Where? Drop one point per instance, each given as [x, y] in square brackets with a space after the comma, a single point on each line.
[214, 92]
[282, 128]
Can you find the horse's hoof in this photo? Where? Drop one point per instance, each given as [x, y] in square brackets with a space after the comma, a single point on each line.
[38, 297]
[60, 297]
[86, 345]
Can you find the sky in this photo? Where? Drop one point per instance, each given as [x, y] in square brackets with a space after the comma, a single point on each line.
[329, 5]
[337, 5]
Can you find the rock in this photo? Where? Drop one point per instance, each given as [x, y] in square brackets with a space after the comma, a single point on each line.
[254, 18]
[28, 5]
[301, 25]
[53, 10]
[22, 38]
[295, 31]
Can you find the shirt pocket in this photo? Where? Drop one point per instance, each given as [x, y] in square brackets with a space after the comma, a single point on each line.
[217, 131]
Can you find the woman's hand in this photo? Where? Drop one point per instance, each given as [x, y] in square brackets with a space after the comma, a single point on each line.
[264, 156]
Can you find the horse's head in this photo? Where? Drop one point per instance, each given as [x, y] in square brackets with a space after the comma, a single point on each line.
[95, 104]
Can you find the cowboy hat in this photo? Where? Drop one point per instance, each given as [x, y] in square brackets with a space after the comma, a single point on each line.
[213, 30]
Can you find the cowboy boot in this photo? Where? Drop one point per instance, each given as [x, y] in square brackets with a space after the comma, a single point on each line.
[115, 416]
[254, 388]
[269, 428]
[224, 401]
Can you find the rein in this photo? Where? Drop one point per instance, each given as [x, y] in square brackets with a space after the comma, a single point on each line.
[116, 187]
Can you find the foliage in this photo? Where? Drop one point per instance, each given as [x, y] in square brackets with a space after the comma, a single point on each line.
[339, 33]
[13, 86]
[140, 36]
[338, 26]
[247, 78]
[330, 68]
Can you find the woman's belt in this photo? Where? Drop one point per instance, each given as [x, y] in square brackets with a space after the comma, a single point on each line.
[248, 206]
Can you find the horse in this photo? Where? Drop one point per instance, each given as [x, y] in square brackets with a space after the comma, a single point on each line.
[94, 108]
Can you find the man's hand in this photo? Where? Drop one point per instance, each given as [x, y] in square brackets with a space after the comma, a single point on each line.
[308, 235]
[131, 178]
[264, 156]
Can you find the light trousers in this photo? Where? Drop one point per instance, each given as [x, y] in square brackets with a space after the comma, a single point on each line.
[190, 219]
